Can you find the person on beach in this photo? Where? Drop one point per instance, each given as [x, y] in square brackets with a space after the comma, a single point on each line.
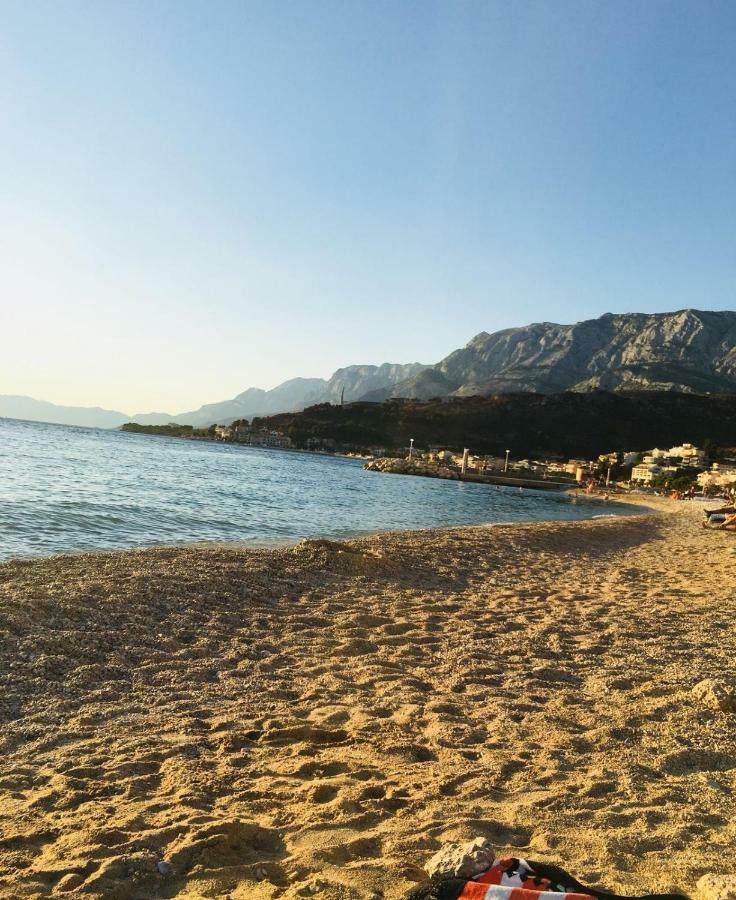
[728, 523]
[729, 508]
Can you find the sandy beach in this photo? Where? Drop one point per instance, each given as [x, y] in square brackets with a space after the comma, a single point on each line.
[318, 720]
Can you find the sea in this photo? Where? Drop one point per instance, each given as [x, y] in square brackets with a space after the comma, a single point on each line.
[70, 489]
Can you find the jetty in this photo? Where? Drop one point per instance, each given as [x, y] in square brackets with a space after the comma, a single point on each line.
[436, 470]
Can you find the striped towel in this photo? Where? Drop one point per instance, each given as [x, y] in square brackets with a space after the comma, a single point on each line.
[512, 878]
[474, 890]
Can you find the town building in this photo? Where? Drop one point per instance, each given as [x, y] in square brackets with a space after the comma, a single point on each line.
[270, 439]
[690, 455]
[719, 475]
[645, 472]
[628, 458]
[667, 462]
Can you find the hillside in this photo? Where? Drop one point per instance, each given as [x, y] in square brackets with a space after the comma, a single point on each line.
[689, 351]
[296, 393]
[13, 406]
[291, 395]
[568, 424]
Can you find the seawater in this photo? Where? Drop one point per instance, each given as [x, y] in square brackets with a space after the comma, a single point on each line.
[66, 489]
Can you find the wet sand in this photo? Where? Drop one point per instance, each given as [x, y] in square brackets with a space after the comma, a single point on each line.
[318, 720]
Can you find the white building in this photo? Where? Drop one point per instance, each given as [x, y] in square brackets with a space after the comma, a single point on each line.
[270, 439]
[719, 475]
[645, 472]
[628, 458]
[690, 455]
[657, 462]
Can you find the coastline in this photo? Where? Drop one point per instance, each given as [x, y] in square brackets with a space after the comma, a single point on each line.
[284, 541]
[281, 543]
[319, 718]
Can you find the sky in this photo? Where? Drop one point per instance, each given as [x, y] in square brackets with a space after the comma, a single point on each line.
[200, 197]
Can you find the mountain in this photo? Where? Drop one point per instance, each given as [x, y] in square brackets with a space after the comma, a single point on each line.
[690, 351]
[13, 406]
[291, 396]
[295, 394]
[357, 381]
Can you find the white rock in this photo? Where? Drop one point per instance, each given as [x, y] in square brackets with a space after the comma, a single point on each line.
[717, 887]
[462, 860]
[715, 694]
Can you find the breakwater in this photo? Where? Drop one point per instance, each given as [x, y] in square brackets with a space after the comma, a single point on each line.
[435, 470]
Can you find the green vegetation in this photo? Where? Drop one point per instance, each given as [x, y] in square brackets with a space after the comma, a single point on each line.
[719, 454]
[618, 471]
[170, 430]
[566, 424]
[679, 482]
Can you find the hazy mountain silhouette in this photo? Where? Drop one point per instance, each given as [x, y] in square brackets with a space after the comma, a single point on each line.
[689, 351]
[14, 406]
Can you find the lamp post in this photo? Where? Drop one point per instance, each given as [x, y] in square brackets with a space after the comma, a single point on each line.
[506, 466]
[411, 447]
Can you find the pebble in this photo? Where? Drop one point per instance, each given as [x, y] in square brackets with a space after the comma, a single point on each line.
[462, 860]
[549, 673]
[715, 695]
[717, 887]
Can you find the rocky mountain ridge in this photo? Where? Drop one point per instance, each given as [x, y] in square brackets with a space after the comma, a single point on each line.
[352, 382]
[688, 351]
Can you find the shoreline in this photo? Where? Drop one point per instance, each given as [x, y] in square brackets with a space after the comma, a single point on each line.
[639, 508]
[320, 718]
[339, 454]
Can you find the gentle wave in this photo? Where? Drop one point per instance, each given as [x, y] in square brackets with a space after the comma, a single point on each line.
[66, 489]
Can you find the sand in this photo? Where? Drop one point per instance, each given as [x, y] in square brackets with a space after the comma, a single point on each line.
[318, 720]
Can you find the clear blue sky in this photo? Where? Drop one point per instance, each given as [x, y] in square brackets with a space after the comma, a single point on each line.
[200, 197]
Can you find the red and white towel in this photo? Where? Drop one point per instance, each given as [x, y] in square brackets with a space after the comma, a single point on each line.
[514, 879]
